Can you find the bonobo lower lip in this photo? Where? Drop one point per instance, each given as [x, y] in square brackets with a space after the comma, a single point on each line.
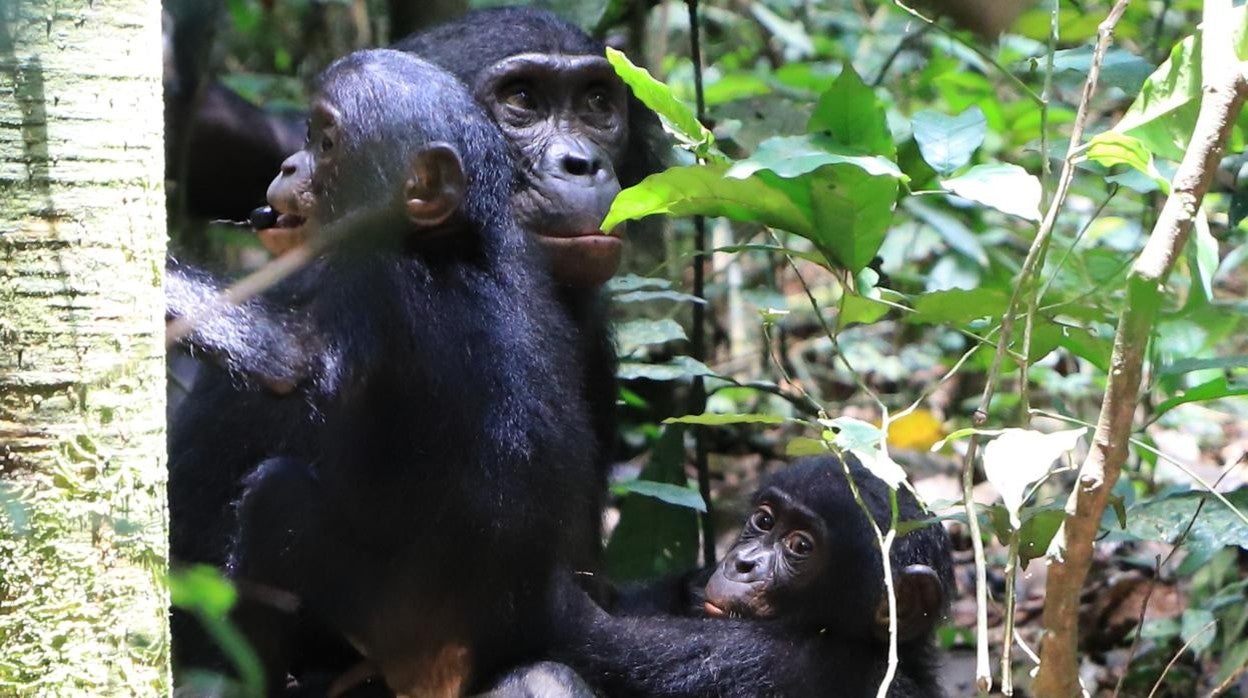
[713, 610]
[585, 260]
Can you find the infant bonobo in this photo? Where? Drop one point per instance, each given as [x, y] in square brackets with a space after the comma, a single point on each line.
[418, 524]
[797, 605]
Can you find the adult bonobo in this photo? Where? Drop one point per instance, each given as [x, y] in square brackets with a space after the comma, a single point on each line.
[419, 523]
[797, 605]
[579, 140]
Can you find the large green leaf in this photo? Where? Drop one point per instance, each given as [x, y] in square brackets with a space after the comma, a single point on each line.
[852, 212]
[703, 190]
[793, 156]
[678, 368]
[1164, 113]
[1005, 187]
[948, 142]
[716, 419]
[678, 119]
[958, 306]
[1217, 388]
[676, 495]
[634, 334]
[851, 115]
[1165, 518]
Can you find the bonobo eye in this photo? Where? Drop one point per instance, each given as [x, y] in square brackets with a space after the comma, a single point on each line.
[762, 519]
[327, 143]
[599, 99]
[518, 95]
[799, 543]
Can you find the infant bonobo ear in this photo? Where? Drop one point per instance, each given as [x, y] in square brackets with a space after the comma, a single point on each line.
[437, 185]
[920, 598]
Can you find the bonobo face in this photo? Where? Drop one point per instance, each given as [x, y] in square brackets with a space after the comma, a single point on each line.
[567, 118]
[780, 554]
[296, 194]
[347, 168]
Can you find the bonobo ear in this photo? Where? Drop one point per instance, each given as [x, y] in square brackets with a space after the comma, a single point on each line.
[920, 597]
[437, 185]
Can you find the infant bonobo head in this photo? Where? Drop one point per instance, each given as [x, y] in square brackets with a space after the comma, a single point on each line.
[807, 556]
[395, 144]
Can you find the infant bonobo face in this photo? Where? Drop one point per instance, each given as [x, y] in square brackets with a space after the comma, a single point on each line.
[781, 549]
[342, 170]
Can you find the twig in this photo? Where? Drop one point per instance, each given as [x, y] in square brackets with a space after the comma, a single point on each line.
[1139, 623]
[698, 339]
[1169, 665]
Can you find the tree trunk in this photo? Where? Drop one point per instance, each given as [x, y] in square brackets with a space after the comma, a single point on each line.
[83, 525]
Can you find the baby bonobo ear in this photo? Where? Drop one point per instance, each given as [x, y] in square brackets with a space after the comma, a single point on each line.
[437, 185]
[920, 598]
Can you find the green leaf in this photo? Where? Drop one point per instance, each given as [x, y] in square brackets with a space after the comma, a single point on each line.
[1039, 527]
[715, 419]
[678, 368]
[854, 433]
[958, 306]
[1217, 388]
[856, 308]
[1111, 148]
[1189, 365]
[653, 537]
[703, 189]
[804, 446]
[1165, 517]
[1194, 629]
[850, 113]
[1119, 67]
[849, 211]
[678, 119]
[793, 156]
[679, 495]
[634, 334]
[202, 590]
[647, 296]
[1005, 187]
[948, 142]
[1164, 113]
[633, 282]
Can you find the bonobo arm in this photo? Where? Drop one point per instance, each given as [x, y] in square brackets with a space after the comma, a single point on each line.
[694, 657]
[256, 340]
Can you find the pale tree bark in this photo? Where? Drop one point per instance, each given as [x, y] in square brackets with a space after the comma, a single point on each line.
[1224, 91]
[83, 525]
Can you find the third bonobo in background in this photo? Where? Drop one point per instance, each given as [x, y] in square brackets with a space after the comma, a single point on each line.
[798, 603]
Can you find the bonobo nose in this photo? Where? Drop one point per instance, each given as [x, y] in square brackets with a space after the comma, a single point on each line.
[745, 566]
[288, 168]
[581, 165]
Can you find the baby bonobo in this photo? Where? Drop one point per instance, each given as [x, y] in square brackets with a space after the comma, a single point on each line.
[418, 523]
[797, 605]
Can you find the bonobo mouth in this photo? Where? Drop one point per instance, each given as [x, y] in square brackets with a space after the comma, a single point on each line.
[582, 258]
[278, 232]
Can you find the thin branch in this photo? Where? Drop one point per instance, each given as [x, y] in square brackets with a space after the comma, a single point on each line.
[1170, 665]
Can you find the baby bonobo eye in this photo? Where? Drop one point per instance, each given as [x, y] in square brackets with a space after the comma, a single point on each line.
[763, 519]
[327, 143]
[800, 543]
